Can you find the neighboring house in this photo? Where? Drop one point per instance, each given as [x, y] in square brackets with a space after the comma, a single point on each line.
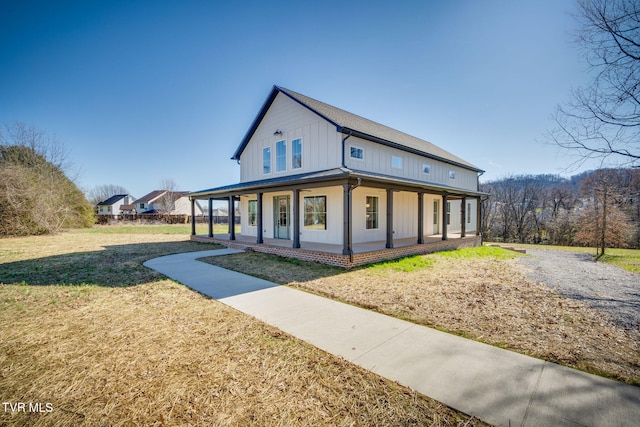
[165, 202]
[313, 173]
[113, 205]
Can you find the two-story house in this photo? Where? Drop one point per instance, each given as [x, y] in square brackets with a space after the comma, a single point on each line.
[317, 178]
[165, 202]
[113, 205]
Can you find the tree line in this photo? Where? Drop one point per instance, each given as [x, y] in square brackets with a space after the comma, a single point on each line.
[598, 208]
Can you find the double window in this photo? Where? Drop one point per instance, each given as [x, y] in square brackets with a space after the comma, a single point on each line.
[371, 212]
[315, 213]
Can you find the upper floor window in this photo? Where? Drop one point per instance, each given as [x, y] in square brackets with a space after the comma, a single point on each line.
[452, 174]
[281, 156]
[426, 169]
[356, 153]
[296, 153]
[266, 160]
[396, 162]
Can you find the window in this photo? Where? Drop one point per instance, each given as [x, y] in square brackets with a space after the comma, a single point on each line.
[315, 213]
[468, 213]
[371, 209]
[448, 213]
[141, 205]
[426, 169]
[396, 162]
[452, 174]
[356, 153]
[266, 160]
[281, 156]
[296, 154]
[253, 213]
[436, 214]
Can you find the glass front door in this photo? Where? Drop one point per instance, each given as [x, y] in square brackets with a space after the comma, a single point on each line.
[281, 217]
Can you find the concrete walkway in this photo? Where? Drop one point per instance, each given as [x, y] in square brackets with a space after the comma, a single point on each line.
[498, 386]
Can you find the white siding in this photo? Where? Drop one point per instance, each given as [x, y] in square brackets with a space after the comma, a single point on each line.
[377, 159]
[360, 234]
[321, 143]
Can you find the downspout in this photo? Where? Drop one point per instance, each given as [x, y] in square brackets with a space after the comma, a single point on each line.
[349, 243]
[344, 165]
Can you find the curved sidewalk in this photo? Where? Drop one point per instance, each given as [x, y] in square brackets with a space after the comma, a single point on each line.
[498, 386]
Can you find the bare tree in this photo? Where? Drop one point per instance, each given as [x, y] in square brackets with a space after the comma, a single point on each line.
[101, 193]
[603, 120]
[603, 223]
[166, 204]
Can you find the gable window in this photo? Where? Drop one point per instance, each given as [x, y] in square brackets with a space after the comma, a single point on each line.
[296, 153]
[253, 209]
[452, 174]
[426, 169]
[266, 160]
[356, 153]
[396, 162]
[315, 213]
[371, 211]
[281, 156]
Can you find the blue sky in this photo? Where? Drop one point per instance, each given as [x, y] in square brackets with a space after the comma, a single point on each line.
[139, 91]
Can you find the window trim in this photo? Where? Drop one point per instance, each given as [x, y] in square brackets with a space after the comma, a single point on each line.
[452, 174]
[281, 143]
[361, 150]
[293, 166]
[264, 161]
[314, 213]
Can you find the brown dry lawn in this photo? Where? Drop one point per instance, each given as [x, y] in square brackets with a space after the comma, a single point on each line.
[479, 293]
[106, 341]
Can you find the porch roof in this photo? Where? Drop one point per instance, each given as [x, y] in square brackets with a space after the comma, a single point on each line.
[331, 177]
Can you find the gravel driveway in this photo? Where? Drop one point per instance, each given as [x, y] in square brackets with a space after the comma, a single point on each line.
[603, 286]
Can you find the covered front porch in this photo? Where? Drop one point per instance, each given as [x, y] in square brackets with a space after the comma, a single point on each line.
[332, 254]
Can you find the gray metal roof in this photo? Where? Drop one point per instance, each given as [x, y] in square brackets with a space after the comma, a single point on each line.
[347, 122]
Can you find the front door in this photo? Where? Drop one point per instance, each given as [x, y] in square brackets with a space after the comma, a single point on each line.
[281, 217]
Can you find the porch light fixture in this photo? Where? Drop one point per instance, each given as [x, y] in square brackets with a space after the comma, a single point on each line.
[278, 132]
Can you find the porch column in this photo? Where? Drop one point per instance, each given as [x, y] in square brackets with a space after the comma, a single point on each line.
[210, 217]
[420, 218]
[346, 220]
[193, 217]
[478, 216]
[389, 244]
[296, 218]
[259, 218]
[232, 218]
[444, 216]
[463, 217]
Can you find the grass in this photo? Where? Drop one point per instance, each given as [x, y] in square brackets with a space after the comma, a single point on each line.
[132, 348]
[479, 293]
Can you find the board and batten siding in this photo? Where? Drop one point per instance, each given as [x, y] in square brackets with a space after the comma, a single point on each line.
[377, 159]
[321, 143]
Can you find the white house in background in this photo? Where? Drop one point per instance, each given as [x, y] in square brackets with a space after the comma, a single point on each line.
[112, 206]
[165, 202]
[311, 173]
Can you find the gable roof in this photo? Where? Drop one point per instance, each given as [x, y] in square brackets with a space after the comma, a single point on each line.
[352, 124]
[113, 199]
[150, 197]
